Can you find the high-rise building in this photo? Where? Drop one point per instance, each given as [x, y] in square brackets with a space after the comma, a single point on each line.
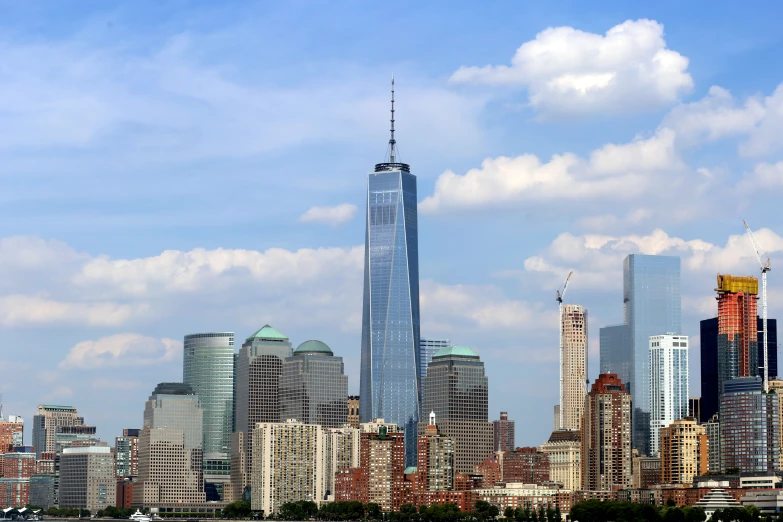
[564, 449]
[606, 436]
[87, 478]
[456, 391]
[170, 449]
[391, 358]
[737, 327]
[712, 428]
[11, 433]
[503, 430]
[772, 346]
[694, 408]
[341, 452]
[646, 471]
[353, 411]
[776, 387]
[524, 465]
[684, 452]
[287, 464]
[436, 459]
[314, 387]
[573, 369]
[47, 418]
[208, 368]
[382, 468]
[126, 449]
[651, 306]
[429, 347]
[239, 488]
[18, 467]
[668, 383]
[748, 426]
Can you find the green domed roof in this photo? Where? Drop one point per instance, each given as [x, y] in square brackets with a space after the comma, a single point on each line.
[461, 351]
[313, 347]
[267, 332]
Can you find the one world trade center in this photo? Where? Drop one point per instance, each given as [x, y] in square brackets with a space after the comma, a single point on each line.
[390, 364]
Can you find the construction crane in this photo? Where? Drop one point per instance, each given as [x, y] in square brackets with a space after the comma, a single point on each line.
[560, 296]
[765, 267]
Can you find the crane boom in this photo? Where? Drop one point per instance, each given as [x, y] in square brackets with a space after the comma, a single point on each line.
[765, 267]
[560, 296]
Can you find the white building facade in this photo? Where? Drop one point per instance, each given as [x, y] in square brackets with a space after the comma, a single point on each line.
[668, 384]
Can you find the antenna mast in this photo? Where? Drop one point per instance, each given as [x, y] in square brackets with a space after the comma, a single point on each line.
[392, 142]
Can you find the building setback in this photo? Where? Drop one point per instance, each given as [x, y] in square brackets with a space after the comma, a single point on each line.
[287, 464]
[390, 351]
[606, 436]
[456, 390]
[314, 387]
[684, 452]
[574, 366]
[651, 306]
[87, 478]
[47, 418]
[749, 426]
[668, 384]
[208, 368]
[503, 430]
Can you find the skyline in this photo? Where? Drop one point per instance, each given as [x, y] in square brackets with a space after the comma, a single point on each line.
[111, 258]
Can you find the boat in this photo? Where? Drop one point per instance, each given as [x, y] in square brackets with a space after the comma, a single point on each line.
[138, 516]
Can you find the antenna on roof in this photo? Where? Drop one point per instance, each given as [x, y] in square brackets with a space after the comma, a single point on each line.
[392, 142]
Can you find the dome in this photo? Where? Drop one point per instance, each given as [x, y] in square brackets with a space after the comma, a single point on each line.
[461, 351]
[313, 347]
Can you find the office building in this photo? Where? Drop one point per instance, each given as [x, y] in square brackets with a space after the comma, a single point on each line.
[456, 391]
[749, 426]
[18, 467]
[573, 366]
[240, 468]
[47, 418]
[651, 306]
[606, 436]
[42, 491]
[429, 347]
[353, 411]
[684, 452]
[11, 432]
[208, 368]
[772, 346]
[712, 428]
[668, 383]
[737, 327]
[436, 459]
[390, 353]
[314, 387]
[287, 464]
[170, 449]
[503, 430]
[776, 387]
[87, 478]
[694, 408]
[341, 452]
[126, 450]
[564, 449]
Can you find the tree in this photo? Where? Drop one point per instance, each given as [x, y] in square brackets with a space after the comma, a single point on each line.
[238, 509]
[374, 511]
[508, 512]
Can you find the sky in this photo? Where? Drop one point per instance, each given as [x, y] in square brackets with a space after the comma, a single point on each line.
[176, 167]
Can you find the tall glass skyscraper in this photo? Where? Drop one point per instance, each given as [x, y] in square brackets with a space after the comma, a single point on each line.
[428, 348]
[391, 362]
[651, 306]
[208, 367]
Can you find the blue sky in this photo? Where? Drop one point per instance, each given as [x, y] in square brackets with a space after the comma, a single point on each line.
[176, 167]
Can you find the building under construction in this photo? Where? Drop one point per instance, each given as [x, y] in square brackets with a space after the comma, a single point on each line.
[737, 327]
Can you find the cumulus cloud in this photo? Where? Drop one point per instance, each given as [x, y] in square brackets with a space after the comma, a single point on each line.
[617, 171]
[127, 349]
[334, 216]
[567, 70]
[17, 310]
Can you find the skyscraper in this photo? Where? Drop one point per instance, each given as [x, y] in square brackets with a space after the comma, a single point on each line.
[651, 306]
[126, 449]
[391, 360]
[668, 383]
[456, 390]
[170, 449]
[87, 478]
[772, 346]
[428, 348]
[503, 430]
[48, 417]
[564, 450]
[314, 387]
[208, 367]
[436, 459]
[574, 366]
[749, 427]
[684, 452]
[606, 436]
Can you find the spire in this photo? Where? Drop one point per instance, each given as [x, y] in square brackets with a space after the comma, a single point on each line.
[392, 142]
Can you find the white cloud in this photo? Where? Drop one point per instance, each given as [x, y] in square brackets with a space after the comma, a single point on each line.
[570, 71]
[616, 172]
[17, 310]
[334, 216]
[121, 350]
[763, 176]
[765, 137]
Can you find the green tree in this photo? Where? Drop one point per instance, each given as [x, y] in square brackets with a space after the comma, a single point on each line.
[237, 510]
[508, 512]
[374, 511]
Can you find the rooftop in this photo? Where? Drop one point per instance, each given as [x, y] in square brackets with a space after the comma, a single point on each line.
[459, 351]
[267, 332]
[313, 346]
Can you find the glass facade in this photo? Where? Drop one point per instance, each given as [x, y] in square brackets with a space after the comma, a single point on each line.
[651, 306]
[429, 347]
[668, 384]
[390, 360]
[314, 387]
[208, 367]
